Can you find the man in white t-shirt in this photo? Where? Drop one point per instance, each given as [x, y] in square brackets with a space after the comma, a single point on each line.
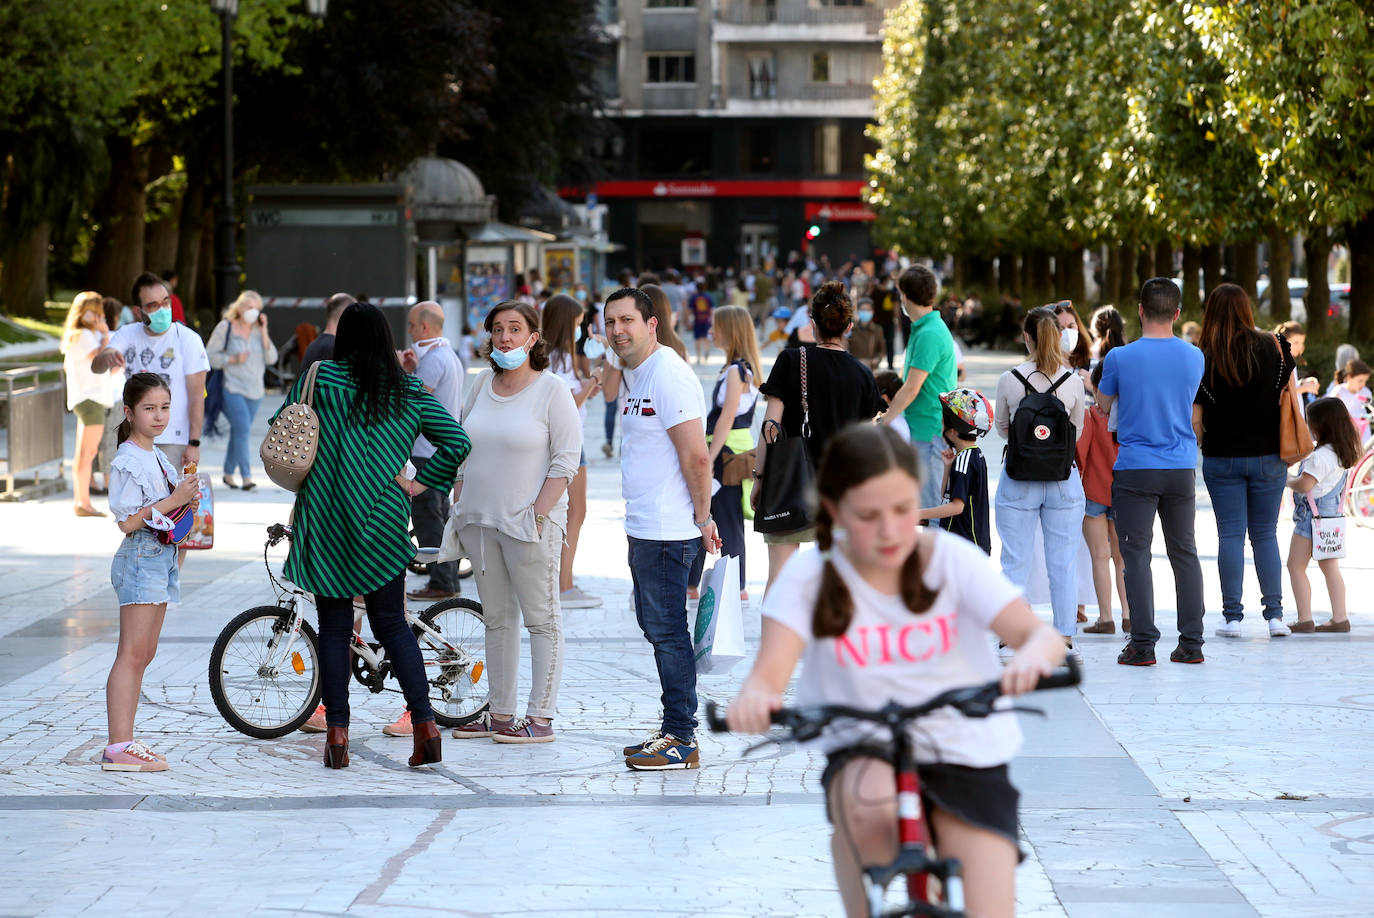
[168, 349]
[665, 475]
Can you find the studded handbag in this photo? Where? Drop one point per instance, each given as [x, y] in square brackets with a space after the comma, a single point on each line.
[288, 450]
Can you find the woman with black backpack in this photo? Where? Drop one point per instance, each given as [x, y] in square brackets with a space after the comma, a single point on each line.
[1039, 410]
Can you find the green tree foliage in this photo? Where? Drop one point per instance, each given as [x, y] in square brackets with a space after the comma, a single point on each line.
[1016, 125]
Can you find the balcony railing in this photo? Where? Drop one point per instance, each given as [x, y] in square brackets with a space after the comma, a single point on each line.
[808, 92]
[799, 12]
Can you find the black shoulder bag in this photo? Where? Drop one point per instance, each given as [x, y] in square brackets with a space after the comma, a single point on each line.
[787, 492]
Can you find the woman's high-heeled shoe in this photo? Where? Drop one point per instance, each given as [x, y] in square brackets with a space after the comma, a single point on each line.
[336, 748]
[428, 746]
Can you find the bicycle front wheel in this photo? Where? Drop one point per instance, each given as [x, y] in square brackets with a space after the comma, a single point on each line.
[452, 636]
[264, 683]
[1360, 499]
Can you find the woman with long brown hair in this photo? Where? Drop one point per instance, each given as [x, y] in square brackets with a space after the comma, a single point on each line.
[1053, 507]
[85, 334]
[1236, 418]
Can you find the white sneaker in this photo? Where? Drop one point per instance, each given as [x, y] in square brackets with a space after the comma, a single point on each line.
[1073, 653]
[1277, 628]
[1232, 630]
[576, 599]
[1005, 652]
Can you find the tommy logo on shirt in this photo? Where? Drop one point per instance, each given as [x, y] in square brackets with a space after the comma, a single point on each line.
[883, 645]
[639, 406]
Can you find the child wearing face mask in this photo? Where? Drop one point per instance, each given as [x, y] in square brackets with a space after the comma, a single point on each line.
[867, 343]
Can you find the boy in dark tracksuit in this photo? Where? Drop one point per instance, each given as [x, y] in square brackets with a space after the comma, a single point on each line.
[968, 415]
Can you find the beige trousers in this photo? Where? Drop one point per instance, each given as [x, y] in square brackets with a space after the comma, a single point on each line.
[518, 580]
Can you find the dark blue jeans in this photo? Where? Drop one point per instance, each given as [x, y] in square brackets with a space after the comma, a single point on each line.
[659, 573]
[386, 614]
[612, 409]
[1245, 492]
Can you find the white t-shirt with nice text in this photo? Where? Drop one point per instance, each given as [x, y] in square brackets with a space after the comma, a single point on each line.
[889, 654]
[1324, 466]
[172, 355]
[661, 393]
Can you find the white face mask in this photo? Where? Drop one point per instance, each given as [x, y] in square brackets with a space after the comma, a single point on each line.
[1068, 339]
[251, 315]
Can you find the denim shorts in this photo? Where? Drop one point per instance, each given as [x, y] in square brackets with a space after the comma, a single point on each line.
[145, 571]
[582, 462]
[1328, 504]
[1093, 509]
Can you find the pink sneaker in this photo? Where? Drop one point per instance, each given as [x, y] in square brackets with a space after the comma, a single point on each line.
[401, 727]
[481, 727]
[316, 722]
[133, 757]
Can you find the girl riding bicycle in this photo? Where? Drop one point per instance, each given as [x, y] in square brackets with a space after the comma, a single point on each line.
[886, 611]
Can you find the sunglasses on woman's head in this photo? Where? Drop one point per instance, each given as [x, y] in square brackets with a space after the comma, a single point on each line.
[1063, 306]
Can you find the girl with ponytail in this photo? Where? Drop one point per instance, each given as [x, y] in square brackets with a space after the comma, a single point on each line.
[883, 610]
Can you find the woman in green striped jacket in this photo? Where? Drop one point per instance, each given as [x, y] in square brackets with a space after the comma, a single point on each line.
[352, 515]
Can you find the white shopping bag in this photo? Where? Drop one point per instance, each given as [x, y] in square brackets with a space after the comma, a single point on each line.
[1328, 534]
[718, 637]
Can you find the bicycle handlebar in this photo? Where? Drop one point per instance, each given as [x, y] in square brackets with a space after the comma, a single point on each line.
[972, 701]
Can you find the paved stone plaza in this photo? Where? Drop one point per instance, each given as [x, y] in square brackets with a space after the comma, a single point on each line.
[1241, 787]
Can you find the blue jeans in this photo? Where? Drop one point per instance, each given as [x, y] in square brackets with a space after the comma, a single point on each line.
[608, 422]
[386, 613]
[1245, 492]
[658, 571]
[932, 470]
[240, 411]
[1057, 507]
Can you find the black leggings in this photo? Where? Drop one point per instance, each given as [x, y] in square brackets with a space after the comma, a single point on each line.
[386, 614]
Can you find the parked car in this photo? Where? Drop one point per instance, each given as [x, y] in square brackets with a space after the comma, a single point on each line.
[1297, 291]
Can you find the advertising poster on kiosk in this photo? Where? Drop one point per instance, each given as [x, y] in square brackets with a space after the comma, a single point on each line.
[488, 281]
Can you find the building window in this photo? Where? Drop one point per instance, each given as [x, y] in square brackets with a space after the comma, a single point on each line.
[670, 4]
[671, 68]
[825, 149]
[763, 76]
[827, 4]
[672, 152]
[757, 149]
[820, 67]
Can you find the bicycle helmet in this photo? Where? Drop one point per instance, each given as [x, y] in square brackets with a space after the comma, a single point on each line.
[967, 412]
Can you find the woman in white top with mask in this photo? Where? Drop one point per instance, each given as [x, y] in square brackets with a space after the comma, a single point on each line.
[510, 514]
[242, 349]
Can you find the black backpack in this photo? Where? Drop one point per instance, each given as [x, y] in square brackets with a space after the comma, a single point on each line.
[1041, 442]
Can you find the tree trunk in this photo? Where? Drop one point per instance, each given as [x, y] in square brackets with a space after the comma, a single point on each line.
[1316, 246]
[1280, 267]
[24, 275]
[1042, 281]
[1247, 267]
[1126, 286]
[1144, 270]
[960, 274]
[206, 298]
[1361, 240]
[1077, 289]
[1027, 274]
[978, 275]
[1211, 268]
[190, 227]
[117, 253]
[1111, 275]
[1008, 270]
[1192, 265]
[1164, 259]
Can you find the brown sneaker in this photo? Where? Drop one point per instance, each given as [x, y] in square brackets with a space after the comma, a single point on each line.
[430, 594]
[523, 730]
[1334, 627]
[481, 727]
[1100, 627]
[1307, 627]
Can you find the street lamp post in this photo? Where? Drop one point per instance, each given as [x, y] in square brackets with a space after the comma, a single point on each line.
[227, 260]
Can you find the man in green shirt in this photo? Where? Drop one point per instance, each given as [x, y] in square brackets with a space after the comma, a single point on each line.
[930, 371]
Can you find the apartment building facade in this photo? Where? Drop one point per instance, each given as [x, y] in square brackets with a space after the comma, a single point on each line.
[740, 126]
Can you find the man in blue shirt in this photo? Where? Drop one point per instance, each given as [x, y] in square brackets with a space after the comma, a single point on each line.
[1154, 380]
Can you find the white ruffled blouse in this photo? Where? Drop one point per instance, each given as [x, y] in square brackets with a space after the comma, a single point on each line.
[136, 481]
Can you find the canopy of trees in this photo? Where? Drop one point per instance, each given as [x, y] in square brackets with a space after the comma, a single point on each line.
[110, 118]
[1025, 130]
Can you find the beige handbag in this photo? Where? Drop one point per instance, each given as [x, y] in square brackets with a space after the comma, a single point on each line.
[288, 451]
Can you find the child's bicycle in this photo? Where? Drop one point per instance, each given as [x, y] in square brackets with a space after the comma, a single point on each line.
[265, 674]
[1359, 489]
[943, 898]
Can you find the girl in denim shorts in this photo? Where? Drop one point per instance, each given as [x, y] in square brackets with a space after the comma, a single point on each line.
[144, 570]
[1320, 482]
